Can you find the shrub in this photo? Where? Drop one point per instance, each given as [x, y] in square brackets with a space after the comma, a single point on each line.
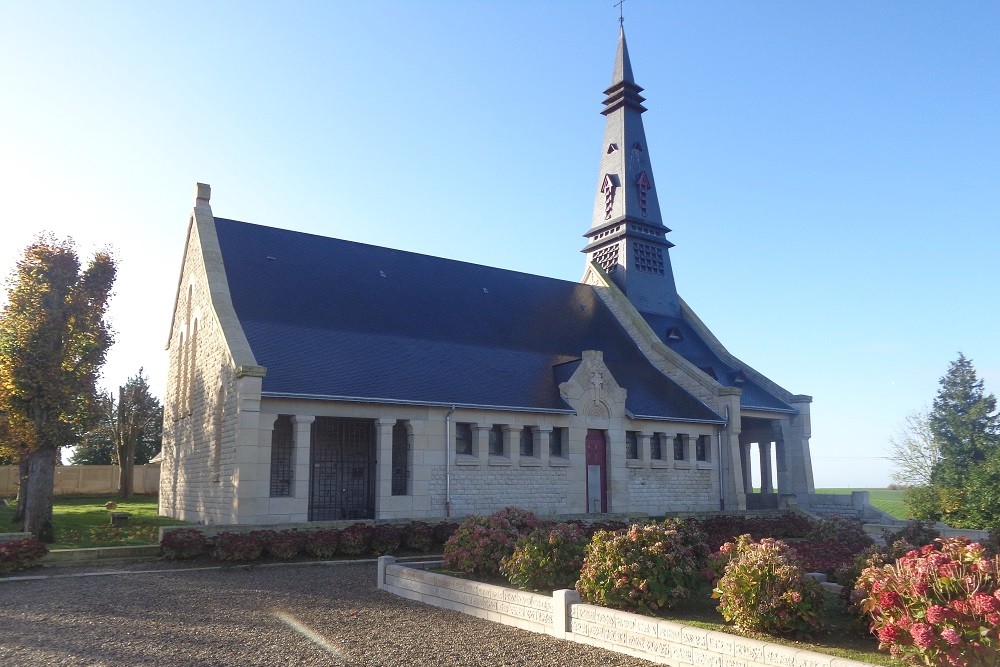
[418, 536]
[183, 543]
[918, 533]
[992, 543]
[843, 530]
[648, 567]
[20, 554]
[323, 543]
[386, 539]
[356, 539]
[763, 589]
[237, 547]
[547, 558]
[284, 544]
[481, 542]
[443, 531]
[939, 605]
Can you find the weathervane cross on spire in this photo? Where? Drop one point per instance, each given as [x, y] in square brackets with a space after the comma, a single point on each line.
[621, 12]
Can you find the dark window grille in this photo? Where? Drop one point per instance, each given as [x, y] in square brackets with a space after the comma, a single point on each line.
[496, 440]
[556, 443]
[342, 462]
[282, 446]
[679, 449]
[527, 441]
[631, 445]
[655, 447]
[400, 458]
[463, 438]
[701, 448]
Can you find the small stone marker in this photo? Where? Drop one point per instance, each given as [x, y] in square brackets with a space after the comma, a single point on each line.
[119, 518]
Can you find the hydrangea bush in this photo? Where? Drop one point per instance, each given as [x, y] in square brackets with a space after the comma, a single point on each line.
[481, 543]
[763, 589]
[323, 543]
[418, 536]
[547, 558]
[183, 543]
[939, 605]
[386, 539]
[237, 547]
[356, 539]
[20, 554]
[284, 544]
[648, 568]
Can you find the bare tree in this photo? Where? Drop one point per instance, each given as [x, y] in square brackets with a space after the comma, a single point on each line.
[913, 451]
[125, 420]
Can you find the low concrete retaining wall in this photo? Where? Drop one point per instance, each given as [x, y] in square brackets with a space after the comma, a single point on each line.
[78, 480]
[562, 615]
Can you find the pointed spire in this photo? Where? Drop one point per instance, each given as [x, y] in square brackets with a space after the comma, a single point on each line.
[623, 67]
[627, 236]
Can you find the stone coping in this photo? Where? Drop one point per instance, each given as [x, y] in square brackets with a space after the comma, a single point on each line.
[10, 537]
[100, 554]
[564, 616]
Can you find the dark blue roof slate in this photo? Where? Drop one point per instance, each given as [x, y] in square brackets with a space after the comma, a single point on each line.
[693, 348]
[333, 318]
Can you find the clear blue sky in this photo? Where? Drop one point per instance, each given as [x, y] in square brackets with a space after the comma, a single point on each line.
[831, 171]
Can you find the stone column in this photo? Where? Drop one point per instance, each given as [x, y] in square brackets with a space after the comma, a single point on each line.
[383, 459]
[302, 437]
[730, 468]
[481, 441]
[642, 446]
[797, 432]
[745, 466]
[543, 439]
[765, 467]
[512, 443]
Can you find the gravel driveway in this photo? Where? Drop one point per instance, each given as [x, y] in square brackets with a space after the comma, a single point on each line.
[293, 615]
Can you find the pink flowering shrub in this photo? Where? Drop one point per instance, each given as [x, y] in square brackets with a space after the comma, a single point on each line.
[237, 547]
[323, 543]
[648, 568]
[20, 554]
[356, 539]
[183, 543]
[763, 589]
[939, 605]
[481, 542]
[283, 544]
[386, 539]
[547, 559]
[418, 536]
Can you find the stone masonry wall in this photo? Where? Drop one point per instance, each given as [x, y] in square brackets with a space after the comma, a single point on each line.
[563, 616]
[196, 482]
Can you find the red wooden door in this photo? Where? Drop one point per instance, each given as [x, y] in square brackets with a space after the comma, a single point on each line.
[597, 472]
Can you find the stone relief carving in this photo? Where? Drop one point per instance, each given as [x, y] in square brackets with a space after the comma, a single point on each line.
[592, 391]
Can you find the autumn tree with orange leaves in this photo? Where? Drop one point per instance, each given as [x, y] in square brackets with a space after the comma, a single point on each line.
[53, 342]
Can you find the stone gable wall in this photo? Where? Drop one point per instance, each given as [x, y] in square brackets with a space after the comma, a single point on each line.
[192, 487]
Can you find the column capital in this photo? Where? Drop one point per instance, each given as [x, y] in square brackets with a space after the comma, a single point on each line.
[303, 419]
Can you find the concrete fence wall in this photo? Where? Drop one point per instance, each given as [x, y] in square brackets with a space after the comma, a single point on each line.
[88, 479]
[563, 616]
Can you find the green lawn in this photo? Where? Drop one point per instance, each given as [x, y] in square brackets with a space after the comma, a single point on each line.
[84, 522]
[889, 501]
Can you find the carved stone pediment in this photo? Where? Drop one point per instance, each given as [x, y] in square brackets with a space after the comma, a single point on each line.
[592, 391]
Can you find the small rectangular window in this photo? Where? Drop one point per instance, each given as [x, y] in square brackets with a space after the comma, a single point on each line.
[557, 442]
[400, 458]
[463, 439]
[496, 440]
[527, 441]
[631, 444]
[701, 448]
[679, 447]
[656, 447]
[282, 446]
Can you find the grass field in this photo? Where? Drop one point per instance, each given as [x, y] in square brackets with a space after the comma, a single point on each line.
[889, 501]
[84, 522]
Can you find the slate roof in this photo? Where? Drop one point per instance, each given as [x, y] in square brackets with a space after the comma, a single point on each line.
[337, 319]
[693, 348]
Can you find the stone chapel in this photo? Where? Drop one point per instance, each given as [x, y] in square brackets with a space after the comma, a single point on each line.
[314, 378]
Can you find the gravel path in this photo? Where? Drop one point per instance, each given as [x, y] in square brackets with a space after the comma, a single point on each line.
[295, 615]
